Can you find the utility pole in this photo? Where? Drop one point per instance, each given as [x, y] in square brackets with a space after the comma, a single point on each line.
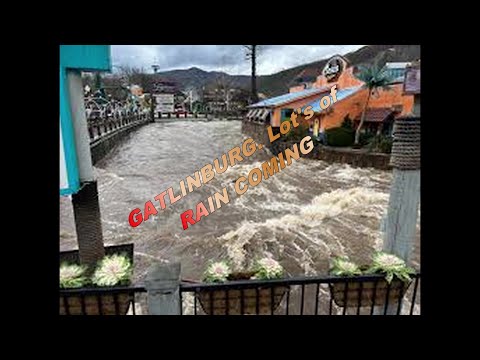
[252, 55]
[254, 74]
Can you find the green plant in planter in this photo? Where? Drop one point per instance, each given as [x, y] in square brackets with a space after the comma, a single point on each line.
[72, 276]
[217, 272]
[391, 266]
[113, 270]
[342, 266]
[234, 301]
[267, 268]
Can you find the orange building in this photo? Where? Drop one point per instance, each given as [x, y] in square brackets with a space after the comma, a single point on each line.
[277, 109]
[384, 105]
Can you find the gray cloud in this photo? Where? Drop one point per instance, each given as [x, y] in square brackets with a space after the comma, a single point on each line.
[228, 58]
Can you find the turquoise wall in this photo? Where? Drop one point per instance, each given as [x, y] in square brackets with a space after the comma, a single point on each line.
[86, 57]
[76, 58]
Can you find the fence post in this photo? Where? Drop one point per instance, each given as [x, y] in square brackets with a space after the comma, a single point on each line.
[163, 289]
[152, 109]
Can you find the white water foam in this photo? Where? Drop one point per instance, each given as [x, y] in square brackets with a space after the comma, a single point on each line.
[308, 222]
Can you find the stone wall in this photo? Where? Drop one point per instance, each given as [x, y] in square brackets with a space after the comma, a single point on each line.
[257, 131]
[354, 157]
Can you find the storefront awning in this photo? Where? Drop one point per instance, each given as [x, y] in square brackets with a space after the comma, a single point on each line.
[264, 115]
[376, 114]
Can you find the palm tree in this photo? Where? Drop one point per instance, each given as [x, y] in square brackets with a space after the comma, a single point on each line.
[374, 78]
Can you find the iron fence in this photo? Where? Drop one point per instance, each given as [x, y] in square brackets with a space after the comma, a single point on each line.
[360, 295]
[105, 117]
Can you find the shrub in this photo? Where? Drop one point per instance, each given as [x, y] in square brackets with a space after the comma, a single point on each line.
[381, 143]
[296, 134]
[340, 136]
[347, 123]
[366, 138]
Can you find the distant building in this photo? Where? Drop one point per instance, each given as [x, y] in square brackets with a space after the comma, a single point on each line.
[168, 97]
[164, 86]
[396, 70]
[221, 100]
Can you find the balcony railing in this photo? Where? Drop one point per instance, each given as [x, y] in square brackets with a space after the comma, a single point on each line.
[360, 295]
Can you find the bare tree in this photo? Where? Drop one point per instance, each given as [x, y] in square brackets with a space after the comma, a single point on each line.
[137, 76]
[223, 86]
[252, 55]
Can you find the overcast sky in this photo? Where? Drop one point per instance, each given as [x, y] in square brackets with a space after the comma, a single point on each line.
[227, 58]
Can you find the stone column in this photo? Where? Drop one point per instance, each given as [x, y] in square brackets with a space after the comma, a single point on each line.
[163, 287]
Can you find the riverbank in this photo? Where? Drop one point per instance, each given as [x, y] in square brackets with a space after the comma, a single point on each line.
[361, 158]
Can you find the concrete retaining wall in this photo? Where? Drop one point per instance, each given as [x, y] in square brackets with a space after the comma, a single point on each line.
[100, 147]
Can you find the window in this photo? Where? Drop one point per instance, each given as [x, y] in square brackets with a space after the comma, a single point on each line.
[395, 73]
[286, 113]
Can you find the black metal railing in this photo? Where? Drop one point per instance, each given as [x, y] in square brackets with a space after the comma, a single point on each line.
[119, 300]
[115, 300]
[360, 295]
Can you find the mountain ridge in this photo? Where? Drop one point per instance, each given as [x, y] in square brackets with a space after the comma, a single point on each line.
[278, 83]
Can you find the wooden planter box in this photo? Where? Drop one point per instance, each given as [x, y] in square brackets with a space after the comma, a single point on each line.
[366, 290]
[101, 302]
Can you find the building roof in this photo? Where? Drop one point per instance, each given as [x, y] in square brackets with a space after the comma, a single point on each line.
[290, 97]
[376, 114]
[341, 94]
